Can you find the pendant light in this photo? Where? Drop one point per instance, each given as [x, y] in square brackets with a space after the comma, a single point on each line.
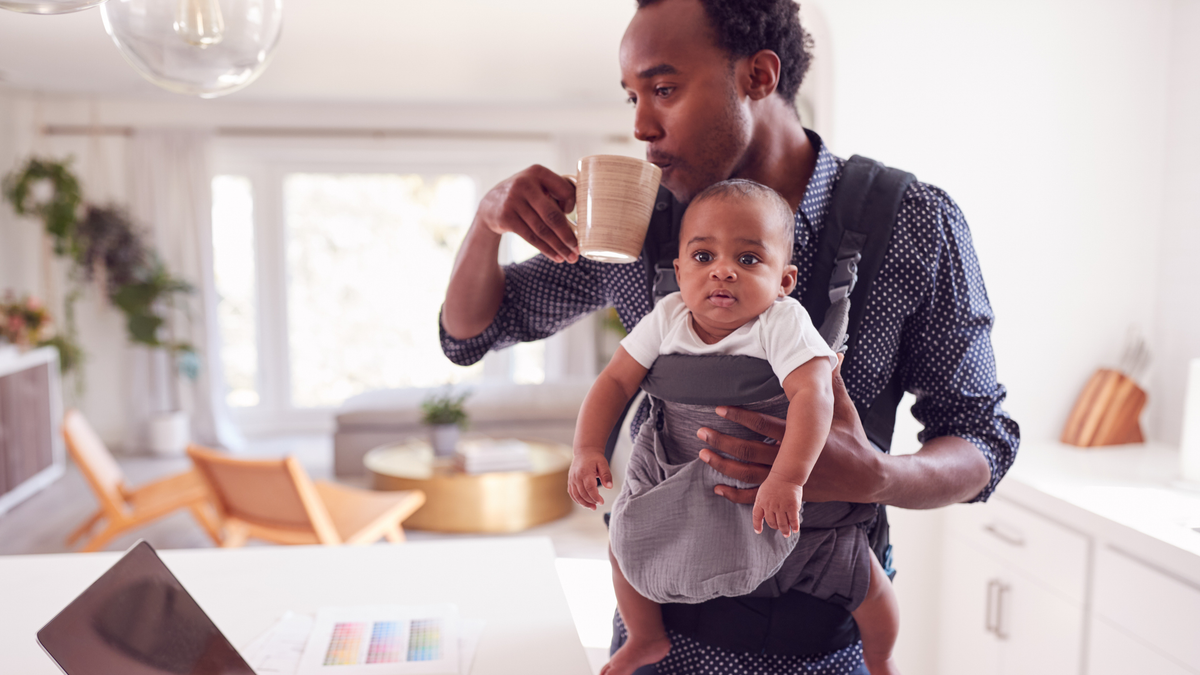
[206, 48]
[48, 6]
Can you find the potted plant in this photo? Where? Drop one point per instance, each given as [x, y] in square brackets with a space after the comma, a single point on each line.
[445, 416]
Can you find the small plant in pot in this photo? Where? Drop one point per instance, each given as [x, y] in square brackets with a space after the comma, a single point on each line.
[445, 416]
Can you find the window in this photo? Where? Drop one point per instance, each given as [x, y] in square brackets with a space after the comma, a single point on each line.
[330, 269]
[368, 257]
[233, 268]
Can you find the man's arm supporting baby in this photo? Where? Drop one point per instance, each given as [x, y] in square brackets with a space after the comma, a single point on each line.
[616, 384]
[809, 390]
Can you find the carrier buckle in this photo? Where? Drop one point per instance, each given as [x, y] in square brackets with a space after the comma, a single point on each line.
[845, 275]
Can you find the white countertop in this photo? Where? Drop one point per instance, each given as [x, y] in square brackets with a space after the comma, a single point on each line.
[1129, 497]
[510, 583]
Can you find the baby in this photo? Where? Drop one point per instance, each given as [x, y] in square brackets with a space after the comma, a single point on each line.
[672, 539]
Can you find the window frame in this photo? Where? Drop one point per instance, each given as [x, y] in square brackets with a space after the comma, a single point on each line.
[266, 162]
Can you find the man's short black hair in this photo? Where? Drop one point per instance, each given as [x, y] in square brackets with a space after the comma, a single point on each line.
[744, 27]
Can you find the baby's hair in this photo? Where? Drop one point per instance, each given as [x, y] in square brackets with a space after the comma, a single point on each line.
[741, 188]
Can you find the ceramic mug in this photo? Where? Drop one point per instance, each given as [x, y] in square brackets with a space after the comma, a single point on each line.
[614, 197]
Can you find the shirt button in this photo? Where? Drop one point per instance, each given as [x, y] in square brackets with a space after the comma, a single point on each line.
[661, 206]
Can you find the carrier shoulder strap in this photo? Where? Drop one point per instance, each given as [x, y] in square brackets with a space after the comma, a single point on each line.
[857, 233]
[662, 245]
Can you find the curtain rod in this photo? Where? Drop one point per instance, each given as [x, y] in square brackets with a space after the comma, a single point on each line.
[320, 132]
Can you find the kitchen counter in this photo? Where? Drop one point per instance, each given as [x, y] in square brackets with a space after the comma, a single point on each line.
[1085, 561]
[1129, 497]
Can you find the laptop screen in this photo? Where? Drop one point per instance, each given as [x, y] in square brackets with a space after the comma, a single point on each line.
[137, 619]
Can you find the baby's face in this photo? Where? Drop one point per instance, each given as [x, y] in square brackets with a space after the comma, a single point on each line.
[734, 261]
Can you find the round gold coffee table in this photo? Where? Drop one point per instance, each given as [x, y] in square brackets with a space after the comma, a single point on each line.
[508, 501]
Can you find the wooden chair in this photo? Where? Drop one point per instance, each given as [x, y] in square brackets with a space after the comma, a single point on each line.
[123, 509]
[275, 500]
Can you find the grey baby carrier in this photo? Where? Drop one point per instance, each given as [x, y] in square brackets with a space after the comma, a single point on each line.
[675, 541]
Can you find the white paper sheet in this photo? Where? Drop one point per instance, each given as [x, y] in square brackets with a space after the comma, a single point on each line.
[278, 649]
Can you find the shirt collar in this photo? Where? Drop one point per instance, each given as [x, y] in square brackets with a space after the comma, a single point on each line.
[819, 193]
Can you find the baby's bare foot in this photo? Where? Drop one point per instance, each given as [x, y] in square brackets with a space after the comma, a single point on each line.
[637, 653]
[881, 665]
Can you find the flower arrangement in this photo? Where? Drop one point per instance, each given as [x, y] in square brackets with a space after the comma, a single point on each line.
[445, 409]
[25, 323]
[22, 320]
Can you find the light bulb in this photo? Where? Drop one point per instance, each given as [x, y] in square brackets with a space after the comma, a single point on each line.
[205, 48]
[199, 22]
[47, 6]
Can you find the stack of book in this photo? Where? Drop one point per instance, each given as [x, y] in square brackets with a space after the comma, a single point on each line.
[486, 456]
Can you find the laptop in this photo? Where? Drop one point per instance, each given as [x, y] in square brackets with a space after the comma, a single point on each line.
[137, 619]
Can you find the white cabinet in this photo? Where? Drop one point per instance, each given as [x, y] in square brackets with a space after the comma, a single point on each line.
[31, 448]
[1112, 651]
[1012, 596]
[1041, 630]
[1146, 608]
[1084, 562]
[968, 613]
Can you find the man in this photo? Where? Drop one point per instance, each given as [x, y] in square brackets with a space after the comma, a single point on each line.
[713, 84]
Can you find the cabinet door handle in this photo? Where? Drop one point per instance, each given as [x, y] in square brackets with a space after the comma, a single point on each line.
[989, 607]
[1008, 537]
[1001, 600]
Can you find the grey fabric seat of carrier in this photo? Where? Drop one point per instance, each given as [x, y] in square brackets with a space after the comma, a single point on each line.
[676, 543]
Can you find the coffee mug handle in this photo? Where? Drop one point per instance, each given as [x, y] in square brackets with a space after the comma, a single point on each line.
[572, 217]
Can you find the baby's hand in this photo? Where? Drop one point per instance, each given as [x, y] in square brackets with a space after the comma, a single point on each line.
[778, 502]
[586, 467]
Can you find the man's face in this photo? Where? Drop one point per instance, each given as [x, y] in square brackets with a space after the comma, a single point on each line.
[688, 109]
[734, 261]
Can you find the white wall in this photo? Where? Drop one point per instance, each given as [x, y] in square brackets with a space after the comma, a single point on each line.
[1045, 121]
[1177, 328]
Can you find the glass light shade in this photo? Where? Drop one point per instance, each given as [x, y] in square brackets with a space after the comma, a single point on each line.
[48, 6]
[205, 48]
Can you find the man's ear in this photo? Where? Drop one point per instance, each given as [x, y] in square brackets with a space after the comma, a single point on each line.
[676, 264]
[788, 284]
[762, 73]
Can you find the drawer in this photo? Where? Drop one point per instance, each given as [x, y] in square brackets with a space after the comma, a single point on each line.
[1159, 610]
[1044, 550]
[1113, 652]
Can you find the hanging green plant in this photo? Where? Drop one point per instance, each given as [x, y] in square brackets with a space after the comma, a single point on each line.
[48, 190]
[104, 245]
[135, 279]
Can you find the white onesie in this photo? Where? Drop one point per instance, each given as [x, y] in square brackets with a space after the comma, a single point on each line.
[783, 335]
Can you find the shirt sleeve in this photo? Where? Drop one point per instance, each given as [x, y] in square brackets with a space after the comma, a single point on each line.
[790, 339]
[950, 366]
[540, 298]
[644, 342]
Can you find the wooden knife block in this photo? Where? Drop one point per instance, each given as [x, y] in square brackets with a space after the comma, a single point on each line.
[1107, 412]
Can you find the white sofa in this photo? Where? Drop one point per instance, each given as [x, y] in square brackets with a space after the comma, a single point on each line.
[534, 411]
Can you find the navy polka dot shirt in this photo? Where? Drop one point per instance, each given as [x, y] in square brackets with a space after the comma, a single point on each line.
[927, 315]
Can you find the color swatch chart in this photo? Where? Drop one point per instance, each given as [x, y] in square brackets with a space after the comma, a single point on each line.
[345, 644]
[388, 642]
[425, 640]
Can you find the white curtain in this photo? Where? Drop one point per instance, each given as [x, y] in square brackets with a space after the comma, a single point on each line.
[170, 196]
